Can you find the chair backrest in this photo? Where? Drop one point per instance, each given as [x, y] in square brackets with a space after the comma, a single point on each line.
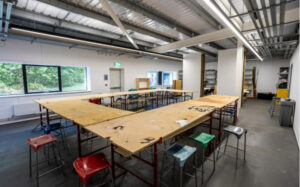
[132, 96]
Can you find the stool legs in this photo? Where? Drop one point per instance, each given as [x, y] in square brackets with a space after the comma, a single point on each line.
[245, 146]
[37, 169]
[180, 173]
[237, 153]
[30, 169]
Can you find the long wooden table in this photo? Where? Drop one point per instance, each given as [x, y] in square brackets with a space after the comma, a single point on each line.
[131, 132]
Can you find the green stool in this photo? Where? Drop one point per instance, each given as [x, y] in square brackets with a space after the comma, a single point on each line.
[204, 139]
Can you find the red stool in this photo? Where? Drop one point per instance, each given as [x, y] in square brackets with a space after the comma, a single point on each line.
[36, 144]
[87, 166]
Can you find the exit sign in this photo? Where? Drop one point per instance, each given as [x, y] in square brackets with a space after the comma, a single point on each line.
[118, 64]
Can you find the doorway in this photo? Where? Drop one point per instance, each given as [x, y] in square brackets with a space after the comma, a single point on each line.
[116, 77]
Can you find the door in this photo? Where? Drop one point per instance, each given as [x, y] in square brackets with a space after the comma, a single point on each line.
[115, 77]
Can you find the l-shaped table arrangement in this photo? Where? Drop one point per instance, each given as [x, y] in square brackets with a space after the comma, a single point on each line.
[129, 132]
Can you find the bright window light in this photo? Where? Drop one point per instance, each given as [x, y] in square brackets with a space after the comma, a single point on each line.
[221, 15]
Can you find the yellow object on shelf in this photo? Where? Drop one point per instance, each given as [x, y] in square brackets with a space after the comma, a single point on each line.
[282, 93]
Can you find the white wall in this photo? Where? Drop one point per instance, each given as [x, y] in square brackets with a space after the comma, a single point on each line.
[192, 72]
[267, 73]
[24, 52]
[230, 72]
[295, 91]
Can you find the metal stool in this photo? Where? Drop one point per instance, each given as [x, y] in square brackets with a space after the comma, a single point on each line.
[36, 144]
[87, 166]
[238, 132]
[204, 139]
[180, 153]
[274, 105]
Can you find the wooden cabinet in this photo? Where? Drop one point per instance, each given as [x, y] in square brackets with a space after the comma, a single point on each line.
[177, 84]
[142, 83]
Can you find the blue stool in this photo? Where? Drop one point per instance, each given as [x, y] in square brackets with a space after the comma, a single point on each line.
[180, 154]
[53, 128]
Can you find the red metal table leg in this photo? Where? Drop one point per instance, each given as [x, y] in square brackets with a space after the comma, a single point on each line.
[113, 160]
[151, 97]
[125, 101]
[220, 125]
[78, 141]
[210, 122]
[157, 100]
[155, 166]
[41, 115]
[47, 116]
[167, 97]
[111, 101]
[235, 114]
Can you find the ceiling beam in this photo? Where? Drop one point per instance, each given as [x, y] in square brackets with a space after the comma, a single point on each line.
[36, 17]
[102, 17]
[117, 21]
[200, 39]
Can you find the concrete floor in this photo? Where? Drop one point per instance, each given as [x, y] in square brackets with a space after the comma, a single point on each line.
[272, 157]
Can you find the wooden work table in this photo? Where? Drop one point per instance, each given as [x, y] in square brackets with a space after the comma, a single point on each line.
[82, 112]
[136, 132]
[131, 132]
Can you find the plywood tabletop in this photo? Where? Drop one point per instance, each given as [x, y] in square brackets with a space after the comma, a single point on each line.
[83, 112]
[217, 101]
[135, 132]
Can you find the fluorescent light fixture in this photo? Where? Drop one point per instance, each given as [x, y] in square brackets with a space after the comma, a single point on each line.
[1, 9]
[6, 26]
[87, 43]
[8, 10]
[221, 15]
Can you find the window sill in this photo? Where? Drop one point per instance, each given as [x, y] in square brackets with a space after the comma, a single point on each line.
[42, 94]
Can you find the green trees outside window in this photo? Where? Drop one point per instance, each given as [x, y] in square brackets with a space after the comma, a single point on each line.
[11, 79]
[27, 79]
[42, 78]
[73, 78]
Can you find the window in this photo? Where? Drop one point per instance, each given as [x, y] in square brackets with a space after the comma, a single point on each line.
[42, 78]
[11, 79]
[161, 78]
[73, 78]
[28, 79]
[153, 76]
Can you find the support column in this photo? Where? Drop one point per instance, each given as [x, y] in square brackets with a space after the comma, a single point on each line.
[192, 73]
[230, 71]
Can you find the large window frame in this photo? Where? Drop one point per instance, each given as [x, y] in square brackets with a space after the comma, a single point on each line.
[59, 82]
[37, 65]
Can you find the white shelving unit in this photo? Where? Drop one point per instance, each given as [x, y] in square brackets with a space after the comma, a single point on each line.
[210, 78]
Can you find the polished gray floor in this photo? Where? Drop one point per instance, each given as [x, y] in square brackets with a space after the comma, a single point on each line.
[272, 157]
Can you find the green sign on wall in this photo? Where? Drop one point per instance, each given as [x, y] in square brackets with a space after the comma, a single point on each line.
[118, 64]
